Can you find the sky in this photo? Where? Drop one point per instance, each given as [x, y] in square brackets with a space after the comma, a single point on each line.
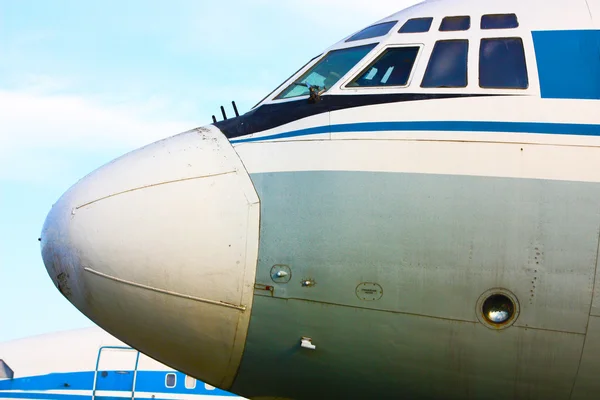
[83, 82]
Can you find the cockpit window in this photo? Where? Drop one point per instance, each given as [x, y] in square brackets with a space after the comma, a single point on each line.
[448, 65]
[499, 21]
[373, 31]
[392, 68]
[461, 23]
[502, 64]
[277, 88]
[327, 71]
[416, 25]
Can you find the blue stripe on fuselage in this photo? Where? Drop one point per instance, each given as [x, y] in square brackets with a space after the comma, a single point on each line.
[146, 381]
[568, 63]
[448, 126]
[51, 396]
[55, 381]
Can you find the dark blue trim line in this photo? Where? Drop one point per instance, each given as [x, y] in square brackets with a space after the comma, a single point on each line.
[269, 116]
[449, 126]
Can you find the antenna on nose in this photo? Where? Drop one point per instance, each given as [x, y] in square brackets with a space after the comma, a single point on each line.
[235, 110]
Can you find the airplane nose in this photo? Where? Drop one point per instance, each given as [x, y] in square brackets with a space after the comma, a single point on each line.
[159, 247]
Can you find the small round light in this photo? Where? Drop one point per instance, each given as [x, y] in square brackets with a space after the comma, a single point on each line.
[498, 309]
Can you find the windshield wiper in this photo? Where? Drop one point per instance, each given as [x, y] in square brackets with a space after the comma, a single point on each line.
[314, 91]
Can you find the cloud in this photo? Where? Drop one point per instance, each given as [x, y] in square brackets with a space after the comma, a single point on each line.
[52, 121]
[245, 28]
[38, 130]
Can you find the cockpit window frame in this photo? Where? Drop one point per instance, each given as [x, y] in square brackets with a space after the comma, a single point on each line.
[434, 60]
[374, 46]
[372, 60]
[487, 19]
[391, 25]
[447, 23]
[411, 21]
[523, 64]
[301, 69]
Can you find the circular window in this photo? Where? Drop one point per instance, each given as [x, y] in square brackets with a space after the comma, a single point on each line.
[497, 308]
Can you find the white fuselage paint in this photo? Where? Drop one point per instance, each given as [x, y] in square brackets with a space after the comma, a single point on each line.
[494, 154]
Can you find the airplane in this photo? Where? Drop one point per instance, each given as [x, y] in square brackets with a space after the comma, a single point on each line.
[91, 364]
[414, 213]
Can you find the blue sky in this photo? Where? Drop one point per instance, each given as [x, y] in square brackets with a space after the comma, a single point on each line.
[83, 82]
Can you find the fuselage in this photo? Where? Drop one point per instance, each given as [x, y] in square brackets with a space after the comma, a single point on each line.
[90, 364]
[420, 208]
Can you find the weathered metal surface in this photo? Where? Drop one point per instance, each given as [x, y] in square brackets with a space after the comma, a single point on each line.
[391, 355]
[167, 292]
[436, 243]
[163, 240]
[62, 283]
[261, 289]
[587, 378]
[369, 291]
[431, 233]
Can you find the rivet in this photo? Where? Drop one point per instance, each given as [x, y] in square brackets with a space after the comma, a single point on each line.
[308, 282]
